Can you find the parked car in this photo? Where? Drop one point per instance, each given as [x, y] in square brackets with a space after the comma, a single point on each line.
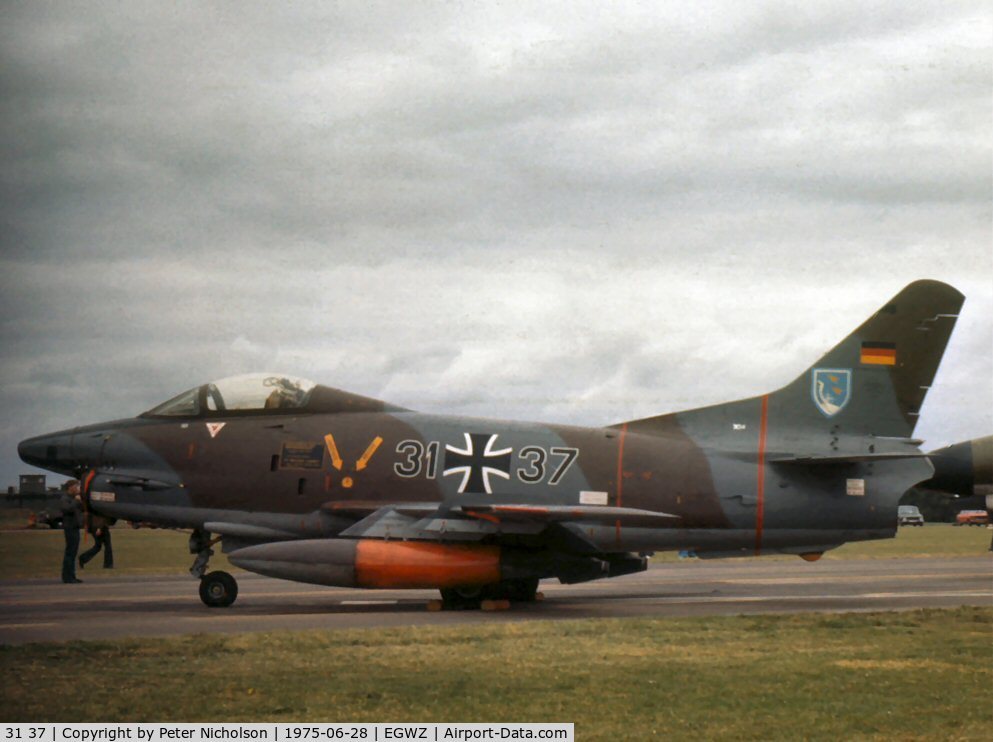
[909, 515]
[972, 518]
[51, 517]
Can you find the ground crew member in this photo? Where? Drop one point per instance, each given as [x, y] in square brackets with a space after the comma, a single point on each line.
[99, 528]
[72, 517]
[989, 515]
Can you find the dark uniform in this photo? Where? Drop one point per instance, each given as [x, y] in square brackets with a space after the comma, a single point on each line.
[99, 528]
[72, 519]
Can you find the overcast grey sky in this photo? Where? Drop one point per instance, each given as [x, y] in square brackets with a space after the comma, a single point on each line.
[569, 212]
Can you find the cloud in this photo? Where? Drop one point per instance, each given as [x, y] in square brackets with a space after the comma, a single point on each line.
[525, 212]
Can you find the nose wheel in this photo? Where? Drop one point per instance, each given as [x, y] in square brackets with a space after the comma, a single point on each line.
[218, 589]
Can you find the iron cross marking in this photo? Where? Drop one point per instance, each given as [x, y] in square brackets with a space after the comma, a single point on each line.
[477, 462]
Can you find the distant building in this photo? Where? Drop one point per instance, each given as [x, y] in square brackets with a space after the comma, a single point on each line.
[32, 484]
[32, 493]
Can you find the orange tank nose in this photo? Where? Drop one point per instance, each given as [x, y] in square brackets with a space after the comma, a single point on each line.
[412, 564]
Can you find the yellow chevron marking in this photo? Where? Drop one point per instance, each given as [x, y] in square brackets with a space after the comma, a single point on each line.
[363, 461]
[333, 451]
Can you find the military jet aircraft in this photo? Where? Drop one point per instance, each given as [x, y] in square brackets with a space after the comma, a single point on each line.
[964, 469]
[304, 482]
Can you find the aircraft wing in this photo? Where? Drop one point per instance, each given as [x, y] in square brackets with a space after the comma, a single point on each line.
[846, 458]
[475, 522]
[365, 508]
[568, 513]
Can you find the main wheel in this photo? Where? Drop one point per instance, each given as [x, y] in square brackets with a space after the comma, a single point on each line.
[519, 591]
[218, 589]
[461, 598]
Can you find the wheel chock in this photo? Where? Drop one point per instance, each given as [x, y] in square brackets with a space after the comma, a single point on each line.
[495, 605]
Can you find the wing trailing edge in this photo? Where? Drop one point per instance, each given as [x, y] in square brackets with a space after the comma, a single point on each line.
[841, 459]
[568, 513]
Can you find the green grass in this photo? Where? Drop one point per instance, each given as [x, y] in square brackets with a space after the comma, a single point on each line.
[38, 553]
[915, 675]
[30, 553]
[934, 539]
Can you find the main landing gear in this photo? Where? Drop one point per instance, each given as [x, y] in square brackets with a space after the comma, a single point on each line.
[217, 589]
[473, 598]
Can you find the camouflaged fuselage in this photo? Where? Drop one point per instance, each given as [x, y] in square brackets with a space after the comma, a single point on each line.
[822, 461]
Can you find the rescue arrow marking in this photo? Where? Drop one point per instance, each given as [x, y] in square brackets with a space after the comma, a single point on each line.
[364, 459]
[333, 451]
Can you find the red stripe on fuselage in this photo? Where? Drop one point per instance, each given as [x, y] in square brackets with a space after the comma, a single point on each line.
[760, 482]
[620, 477]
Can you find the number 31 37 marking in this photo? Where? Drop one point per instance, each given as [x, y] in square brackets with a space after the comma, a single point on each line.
[416, 459]
[536, 457]
[32, 733]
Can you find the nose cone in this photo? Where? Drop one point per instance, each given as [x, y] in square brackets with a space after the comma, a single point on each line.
[36, 451]
[52, 451]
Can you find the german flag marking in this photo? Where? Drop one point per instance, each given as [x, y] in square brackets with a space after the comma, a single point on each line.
[878, 354]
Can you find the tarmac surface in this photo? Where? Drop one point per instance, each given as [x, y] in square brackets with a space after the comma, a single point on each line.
[116, 607]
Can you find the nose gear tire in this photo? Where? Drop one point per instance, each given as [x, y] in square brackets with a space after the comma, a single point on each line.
[218, 589]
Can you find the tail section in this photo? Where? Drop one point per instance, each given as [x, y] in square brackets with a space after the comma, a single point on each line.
[826, 458]
[872, 383]
[875, 380]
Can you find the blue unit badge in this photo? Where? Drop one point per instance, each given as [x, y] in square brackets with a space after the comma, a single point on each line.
[831, 389]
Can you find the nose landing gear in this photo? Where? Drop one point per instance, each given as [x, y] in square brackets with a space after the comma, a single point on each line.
[217, 589]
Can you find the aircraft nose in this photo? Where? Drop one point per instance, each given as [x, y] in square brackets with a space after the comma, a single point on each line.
[33, 450]
[50, 451]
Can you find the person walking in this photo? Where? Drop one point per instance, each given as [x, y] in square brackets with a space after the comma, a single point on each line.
[72, 517]
[99, 528]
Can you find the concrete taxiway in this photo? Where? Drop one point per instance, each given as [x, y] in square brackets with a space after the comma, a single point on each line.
[115, 607]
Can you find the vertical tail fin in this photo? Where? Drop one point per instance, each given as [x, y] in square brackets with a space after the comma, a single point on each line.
[874, 381]
[871, 383]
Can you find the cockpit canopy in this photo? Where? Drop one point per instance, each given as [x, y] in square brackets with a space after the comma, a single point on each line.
[263, 393]
[245, 392]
